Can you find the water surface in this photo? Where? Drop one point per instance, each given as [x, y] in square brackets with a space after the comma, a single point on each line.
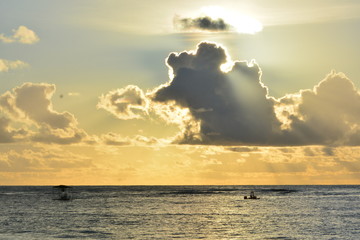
[184, 212]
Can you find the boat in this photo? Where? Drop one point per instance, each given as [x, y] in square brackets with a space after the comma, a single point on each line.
[62, 192]
[252, 196]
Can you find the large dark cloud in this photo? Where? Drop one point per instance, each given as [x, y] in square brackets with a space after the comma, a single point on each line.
[216, 101]
[230, 107]
[204, 23]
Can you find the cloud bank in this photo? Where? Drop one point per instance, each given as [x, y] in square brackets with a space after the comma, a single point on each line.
[232, 106]
[40, 160]
[21, 35]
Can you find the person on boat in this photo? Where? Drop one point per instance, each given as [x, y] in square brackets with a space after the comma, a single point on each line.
[252, 195]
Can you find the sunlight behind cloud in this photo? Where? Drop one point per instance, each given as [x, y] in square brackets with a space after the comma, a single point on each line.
[243, 23]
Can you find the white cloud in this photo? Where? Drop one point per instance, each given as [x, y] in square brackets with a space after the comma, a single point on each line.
[327, 114]
[21, 35]
[129, 102]
[6, 65]
[34, 100]
[30, 106]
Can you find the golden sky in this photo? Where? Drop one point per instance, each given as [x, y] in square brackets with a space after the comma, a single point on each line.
[125, 93]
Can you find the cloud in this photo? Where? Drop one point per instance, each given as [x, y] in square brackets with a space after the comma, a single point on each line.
[328, 114]
[243, 149]
[234, 107]
[129, 102]
[210, 106]
[34, 100]
[59, 136]
[40, 160]
[217, 19]
[230, 107]
[6, 135]
[114, 139]
[30, 105]
[273, 165]
[204, 23]
[216, 101]
[6, 65]
[7, 104]
[21, 35]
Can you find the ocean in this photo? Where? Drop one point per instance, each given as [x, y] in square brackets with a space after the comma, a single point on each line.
[181, 212]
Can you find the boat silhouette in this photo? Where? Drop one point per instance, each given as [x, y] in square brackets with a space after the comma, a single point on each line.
[252, 196]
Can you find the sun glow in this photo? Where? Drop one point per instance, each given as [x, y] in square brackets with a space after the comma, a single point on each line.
[242, 23]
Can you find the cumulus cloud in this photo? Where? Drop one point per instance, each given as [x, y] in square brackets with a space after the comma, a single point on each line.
[28, 115]
[234, 107]
[31, 105]
[6, 65]
[129, 102]
[21, 35]
[230, 107]
[204, 23]
[210, 106]
[327, 114]
[34, 100]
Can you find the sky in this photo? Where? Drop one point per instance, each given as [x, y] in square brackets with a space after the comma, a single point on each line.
[120, 92]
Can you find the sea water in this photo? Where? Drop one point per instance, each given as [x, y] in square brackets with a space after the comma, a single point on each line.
[181, 212]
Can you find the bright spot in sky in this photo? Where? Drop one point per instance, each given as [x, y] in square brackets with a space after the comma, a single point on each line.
[241, 22]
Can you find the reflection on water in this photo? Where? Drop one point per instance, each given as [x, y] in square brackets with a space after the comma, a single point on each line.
[187, 212]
